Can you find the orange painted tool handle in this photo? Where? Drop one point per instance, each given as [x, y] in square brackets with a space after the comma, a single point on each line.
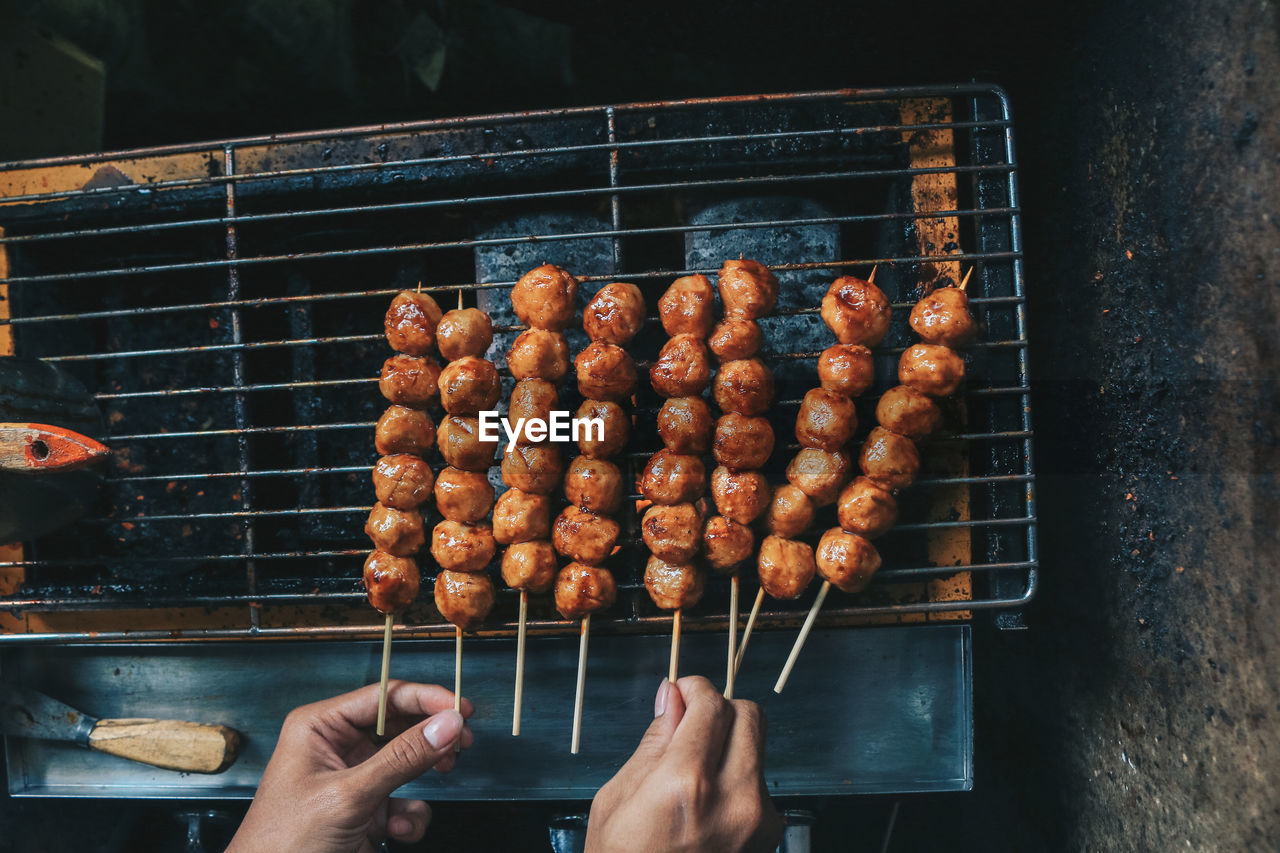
[41, 448]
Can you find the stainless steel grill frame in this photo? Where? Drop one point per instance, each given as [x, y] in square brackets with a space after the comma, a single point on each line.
[235, 242]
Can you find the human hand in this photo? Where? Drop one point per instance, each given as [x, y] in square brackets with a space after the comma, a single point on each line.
[327, 786]
[695, 783]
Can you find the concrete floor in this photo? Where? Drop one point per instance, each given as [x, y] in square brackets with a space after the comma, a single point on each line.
[1142, 708]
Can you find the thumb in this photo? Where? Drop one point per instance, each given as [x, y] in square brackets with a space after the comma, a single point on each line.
[407, 756]
[668, 709]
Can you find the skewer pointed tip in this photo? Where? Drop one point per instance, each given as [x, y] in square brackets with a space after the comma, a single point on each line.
[804, 635]
[965, 282]
[381, 728]
[871, 279]
[584, 632]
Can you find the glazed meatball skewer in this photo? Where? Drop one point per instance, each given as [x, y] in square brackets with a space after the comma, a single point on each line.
[675, 478]
[744, 439]
[539, 360]
[401, 478]
[889, 460]
[462, 543]
[584, 532]
[858, 312]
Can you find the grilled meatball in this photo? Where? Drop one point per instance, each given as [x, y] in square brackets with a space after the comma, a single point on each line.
[747, 289]
[786, 567]
[582, 589]
[742, 442]
[856, 310]
[673, 478]
[463, 332]
[726, 543]
[741, 496]
[846, 559]
[734, 339]
[672, 533]
[672, 585]
[402, 481]
[462, 547]
[461, 446]
[744, 386]
[790, 512]
[943, 317]
[464, 598]
[846, 369]
[605, 372]
[686, 306]
[820, 474]
[866, 509]
[532, 398]
[396, 531]
[684, 424]
[543, 298]
[530, 566]
[411, 323]
[521, 517]
[826, 420]
[683, 368]
[404, 430]
[469, 385]
[584, 536]
[906, 411]
[593, 484]
[539, 354]
[534, 468]
[931, 369]
[889, 460]
[617, 429]
[465, 496]
[409, 381]
[391, 581]
[615, 314]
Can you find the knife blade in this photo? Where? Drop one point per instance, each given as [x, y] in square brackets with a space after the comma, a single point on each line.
[170, 744]
[41, 448]
[26, 713]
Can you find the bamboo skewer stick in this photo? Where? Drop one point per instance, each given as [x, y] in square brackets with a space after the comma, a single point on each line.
[386, 673]
[585, 630]
[674, 670]
[804, 635]
[746, 632]
[520, 635]
[732, 665]
[457, 678]
[965, 283]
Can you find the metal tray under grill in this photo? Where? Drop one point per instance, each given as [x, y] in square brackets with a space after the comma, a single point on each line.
[905, 720]
[224, 302]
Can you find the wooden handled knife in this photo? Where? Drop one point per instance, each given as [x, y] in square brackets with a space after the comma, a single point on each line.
[171, 744]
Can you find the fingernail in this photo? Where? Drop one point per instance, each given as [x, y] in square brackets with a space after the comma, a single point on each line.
[443, 729]
[660, 701]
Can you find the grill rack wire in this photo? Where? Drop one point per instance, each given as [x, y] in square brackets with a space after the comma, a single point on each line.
[239, 281]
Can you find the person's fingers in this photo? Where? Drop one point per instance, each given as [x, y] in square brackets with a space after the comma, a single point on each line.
[668, 710]
[406, 757]
[407, 702]
[744, 755]
[699, 740]
[407, 820]
[365, 746]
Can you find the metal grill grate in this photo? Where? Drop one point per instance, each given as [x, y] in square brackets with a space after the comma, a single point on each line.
[224, 302]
